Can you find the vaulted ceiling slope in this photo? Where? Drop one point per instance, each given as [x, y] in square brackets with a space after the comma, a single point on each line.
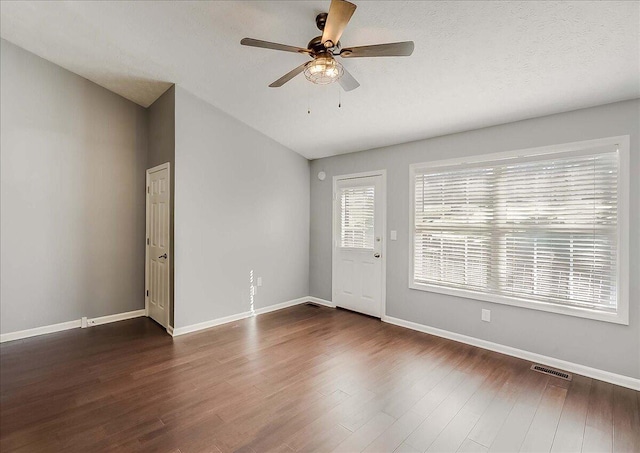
[475, 64]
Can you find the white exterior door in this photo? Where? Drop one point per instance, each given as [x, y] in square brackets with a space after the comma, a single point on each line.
[358, 247]
[157, 266]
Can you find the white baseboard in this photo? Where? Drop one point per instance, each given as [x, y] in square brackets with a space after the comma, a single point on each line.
[601, 375]
[276, 307]
[317, 300]
[260, 311]
[113, 318]
[11, 336]
[170, 330]
[177, 331]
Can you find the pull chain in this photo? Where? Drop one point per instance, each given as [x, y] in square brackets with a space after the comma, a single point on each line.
[309, 99]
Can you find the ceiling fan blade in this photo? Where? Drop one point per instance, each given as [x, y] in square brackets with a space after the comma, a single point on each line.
[347, 82]
[288, 76]
[392, 49]
[340, 13]
[272, 45]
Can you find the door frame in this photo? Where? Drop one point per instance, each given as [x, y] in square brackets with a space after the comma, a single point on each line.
[383, 234]
[167, 166]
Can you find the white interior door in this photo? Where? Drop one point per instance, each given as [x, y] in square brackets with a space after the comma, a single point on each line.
[157, 266]
[358, 244]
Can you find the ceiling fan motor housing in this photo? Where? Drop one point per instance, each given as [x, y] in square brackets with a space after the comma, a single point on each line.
[318, 47]
[321, 20]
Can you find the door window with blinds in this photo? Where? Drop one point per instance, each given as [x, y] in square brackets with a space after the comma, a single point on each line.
[543, 231]
[356, 220]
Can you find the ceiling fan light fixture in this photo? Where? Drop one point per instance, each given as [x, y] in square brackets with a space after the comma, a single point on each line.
[323, 70]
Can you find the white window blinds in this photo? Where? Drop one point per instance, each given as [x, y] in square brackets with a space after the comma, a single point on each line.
[356, 216]
[542, 229]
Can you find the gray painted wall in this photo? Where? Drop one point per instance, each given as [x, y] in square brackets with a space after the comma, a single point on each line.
[242, 204]
[72, 159]
[598, 344]
[162, 148]
[162, 123]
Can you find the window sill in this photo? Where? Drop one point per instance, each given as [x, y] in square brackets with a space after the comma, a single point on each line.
[617, 318]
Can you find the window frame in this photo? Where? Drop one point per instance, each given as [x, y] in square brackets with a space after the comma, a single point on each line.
[356, 183]
[621, 316]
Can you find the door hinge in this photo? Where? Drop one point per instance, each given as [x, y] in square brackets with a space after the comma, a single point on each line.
[147, 241]
[147, 189]
[147, 293]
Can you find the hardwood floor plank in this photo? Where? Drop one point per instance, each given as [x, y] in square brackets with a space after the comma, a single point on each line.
[598, 431]
[469, 446]
[394, 435]
[455, 433]
[290, 423]
[361, 438]
[487, 427]
[439, 367]
[332, 417]
[434, 424]
[284, 448]
[542, 430]
[406, 448]
[515, 427]
[325, 440]
[570, 430]
[428, 403]
[626, 417]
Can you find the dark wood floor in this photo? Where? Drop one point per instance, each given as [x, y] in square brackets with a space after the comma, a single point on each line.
[300, 379]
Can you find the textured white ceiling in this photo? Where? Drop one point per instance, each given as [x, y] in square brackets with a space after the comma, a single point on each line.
[476, 64]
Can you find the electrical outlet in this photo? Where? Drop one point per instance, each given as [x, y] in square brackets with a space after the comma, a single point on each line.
[83, 322]
[394, 235]
[259, 281]
[486, 315]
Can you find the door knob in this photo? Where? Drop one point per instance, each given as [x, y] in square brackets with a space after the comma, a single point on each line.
[376, 255]
[163, 256]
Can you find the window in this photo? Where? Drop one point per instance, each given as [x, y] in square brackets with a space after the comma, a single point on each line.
[545, 231]
[356, 216]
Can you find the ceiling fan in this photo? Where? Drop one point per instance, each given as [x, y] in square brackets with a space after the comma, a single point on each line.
[323, 68]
